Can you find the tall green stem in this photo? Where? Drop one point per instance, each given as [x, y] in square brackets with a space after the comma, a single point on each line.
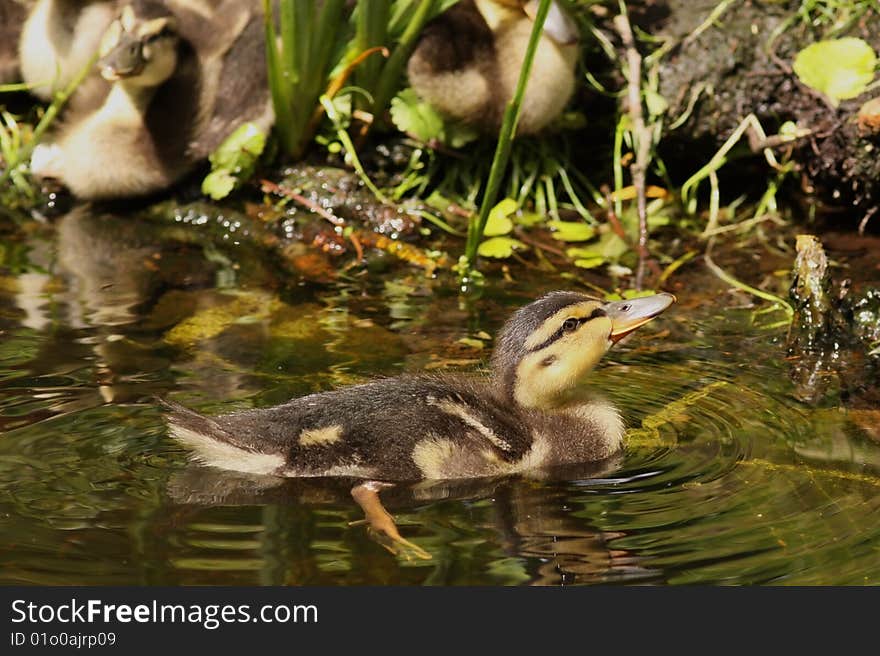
[505, 141]
[389, 79]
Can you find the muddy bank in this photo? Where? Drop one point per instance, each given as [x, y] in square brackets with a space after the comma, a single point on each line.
[720, 72]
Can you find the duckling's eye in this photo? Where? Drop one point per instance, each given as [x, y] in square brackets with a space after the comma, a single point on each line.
[570, 325]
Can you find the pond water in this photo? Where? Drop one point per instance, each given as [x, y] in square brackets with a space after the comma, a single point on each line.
[726, 479]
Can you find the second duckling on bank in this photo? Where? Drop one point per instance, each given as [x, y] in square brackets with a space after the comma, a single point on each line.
[468, 61]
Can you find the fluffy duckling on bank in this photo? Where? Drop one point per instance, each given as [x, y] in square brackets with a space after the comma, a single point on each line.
[532, 413]
[59, 38]
[135, 140]
[468, 61]
[176, 82]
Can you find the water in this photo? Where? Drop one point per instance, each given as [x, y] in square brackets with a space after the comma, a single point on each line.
[726, 479]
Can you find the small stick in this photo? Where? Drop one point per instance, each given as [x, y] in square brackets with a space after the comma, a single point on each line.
[641, 135]
[270, 187]
[359, 250]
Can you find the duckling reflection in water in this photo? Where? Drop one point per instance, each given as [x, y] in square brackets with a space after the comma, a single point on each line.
[468, 61]
[526, 520]
[530, 414]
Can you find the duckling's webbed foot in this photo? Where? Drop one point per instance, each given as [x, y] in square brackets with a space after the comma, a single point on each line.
[381, 524]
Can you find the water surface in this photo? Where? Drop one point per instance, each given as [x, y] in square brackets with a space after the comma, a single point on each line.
[727, 478]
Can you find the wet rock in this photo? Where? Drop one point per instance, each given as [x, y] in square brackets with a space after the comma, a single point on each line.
[833, 335]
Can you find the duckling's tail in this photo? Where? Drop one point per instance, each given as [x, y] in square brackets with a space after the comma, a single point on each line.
[213, 445]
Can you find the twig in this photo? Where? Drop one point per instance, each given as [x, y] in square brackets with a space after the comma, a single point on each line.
[338, 82]
[864, 222]
[642, 135]
[270, 187]
[613, 219]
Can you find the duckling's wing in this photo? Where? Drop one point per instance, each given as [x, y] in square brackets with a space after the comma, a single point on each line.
[405, 428]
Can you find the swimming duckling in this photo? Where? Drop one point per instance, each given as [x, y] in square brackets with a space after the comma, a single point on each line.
[531, 413]
[58, 40]
[135, 142]
[468, 61]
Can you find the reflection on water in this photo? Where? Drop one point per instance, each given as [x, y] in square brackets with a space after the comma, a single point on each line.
[726, 479]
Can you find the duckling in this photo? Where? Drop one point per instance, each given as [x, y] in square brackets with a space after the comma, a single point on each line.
[59, 38]
[136, 141]
[530, 413]
[177, 89]
[12, 16]
[468, 61]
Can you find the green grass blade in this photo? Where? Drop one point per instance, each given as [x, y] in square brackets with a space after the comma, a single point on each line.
[505, 141]
[392, 72]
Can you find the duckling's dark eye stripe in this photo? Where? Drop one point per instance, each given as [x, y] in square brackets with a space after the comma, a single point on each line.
[598, 312]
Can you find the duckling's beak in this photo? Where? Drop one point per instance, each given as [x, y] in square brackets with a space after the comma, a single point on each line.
[559, 26]
[628, 315]
[126, 59]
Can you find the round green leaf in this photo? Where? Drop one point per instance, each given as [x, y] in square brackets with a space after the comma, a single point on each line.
[499, 222]
[497, 226]
[500, 247]
[218, 184]
[571, 230]
[839, 68]
[589, 262]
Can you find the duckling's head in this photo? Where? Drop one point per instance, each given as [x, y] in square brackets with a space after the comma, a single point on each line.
[548, 347]
[140, 48]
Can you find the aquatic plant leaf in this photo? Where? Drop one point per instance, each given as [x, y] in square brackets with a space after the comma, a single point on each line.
[412, 115]
[529, 219]
[590, 262]
[500, 247]
[499, 222]
[218, 184]
[234, 161]
[571, 230]
[839, 68]
[609, 248]
[655, 103]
